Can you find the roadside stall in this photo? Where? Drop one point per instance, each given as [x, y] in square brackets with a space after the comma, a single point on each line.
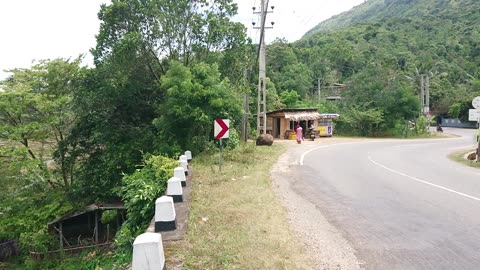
[281, 123]
[325, 124]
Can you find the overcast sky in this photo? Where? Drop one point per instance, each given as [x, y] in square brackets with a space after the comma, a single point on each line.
[47, 29]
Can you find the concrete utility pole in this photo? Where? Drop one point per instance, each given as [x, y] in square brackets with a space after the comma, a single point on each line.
[319, 88]
[422, 94]
[246, 108]
[427, 93]
[245, 118]
[425, 97]
[262, 95]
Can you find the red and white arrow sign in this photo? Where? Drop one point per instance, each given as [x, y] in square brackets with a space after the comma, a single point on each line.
[220, 128]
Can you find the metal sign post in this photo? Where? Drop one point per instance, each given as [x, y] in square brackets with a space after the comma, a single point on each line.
[220, 131]
[220, 157]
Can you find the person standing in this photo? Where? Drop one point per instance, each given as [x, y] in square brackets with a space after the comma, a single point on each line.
[299, 134]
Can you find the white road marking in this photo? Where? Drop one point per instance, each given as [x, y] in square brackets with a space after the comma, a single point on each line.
[328, 145]
[302, 158]
[423, 181]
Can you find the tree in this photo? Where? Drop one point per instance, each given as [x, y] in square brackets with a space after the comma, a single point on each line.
[167, 30]
[296, 77]
[195, 97]
[36, 114]
[290, 98]
[120, 99]
[366, 121]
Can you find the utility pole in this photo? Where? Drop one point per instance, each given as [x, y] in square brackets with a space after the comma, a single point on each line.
[246, 108]
[262, 74]
[427, 101]
[319, 88]
[422, 94]
[427, 93]
[245, 118]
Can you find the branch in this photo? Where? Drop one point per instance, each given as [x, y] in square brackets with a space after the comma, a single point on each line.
[25, 143]
[11, 119]
[158, 60]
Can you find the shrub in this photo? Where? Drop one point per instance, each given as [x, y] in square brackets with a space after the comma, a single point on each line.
[139, 191]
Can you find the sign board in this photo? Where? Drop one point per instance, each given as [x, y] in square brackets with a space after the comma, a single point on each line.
[476, 103]
[473, 115]
[221, 128]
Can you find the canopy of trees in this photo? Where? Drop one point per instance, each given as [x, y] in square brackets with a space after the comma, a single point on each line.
[380, 50]
[71, 135]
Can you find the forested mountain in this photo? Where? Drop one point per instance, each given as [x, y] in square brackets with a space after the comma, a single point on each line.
[373, 10]
[381, 50]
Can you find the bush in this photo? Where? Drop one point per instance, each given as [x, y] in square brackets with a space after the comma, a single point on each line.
[25, 215]
[233, 140]
[422, 124]
[139, 191]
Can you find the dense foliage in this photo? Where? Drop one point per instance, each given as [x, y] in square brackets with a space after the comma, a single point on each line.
[139, 191]
[164, 70]
[379, 50]
[72, 136]
[156, 87]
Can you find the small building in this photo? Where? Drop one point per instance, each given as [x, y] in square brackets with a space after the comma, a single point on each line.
[86, 228]
[281, 123]
[325, 124]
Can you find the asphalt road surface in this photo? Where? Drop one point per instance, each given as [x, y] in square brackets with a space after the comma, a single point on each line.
[402, 204]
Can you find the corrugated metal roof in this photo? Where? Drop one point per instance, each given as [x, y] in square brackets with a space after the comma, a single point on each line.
[90, 208]
[305, 115]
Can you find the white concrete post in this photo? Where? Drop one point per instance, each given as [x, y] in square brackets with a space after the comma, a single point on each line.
[174, 189]
[184, 165]
[189, 155]
[183, 158]
[165, 217]
[148, 252]
[179, 172]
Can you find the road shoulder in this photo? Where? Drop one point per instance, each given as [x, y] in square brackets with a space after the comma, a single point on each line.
[323, 243]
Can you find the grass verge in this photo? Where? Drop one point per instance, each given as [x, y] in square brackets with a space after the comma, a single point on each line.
[236, 221]
[460, 158]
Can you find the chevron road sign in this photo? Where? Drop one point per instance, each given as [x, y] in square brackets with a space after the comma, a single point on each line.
[221, 128]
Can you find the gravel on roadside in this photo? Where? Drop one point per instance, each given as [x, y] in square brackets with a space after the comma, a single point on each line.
[323, 243]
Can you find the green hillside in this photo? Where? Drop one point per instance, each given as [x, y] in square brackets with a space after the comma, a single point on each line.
[380, 50]
[375, 10]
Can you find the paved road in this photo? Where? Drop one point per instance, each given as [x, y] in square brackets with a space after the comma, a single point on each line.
[402, 204]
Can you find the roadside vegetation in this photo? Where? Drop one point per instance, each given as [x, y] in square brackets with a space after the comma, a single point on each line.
[460, 158]
[236, 221]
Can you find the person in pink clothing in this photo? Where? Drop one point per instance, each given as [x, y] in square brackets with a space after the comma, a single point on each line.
[299, 134]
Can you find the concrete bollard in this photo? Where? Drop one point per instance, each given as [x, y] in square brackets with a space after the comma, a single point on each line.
[184, 165]
[174, 189]
[179, 172]
[183, 158]
[189, 155]
[148, 252]
[165, 217]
